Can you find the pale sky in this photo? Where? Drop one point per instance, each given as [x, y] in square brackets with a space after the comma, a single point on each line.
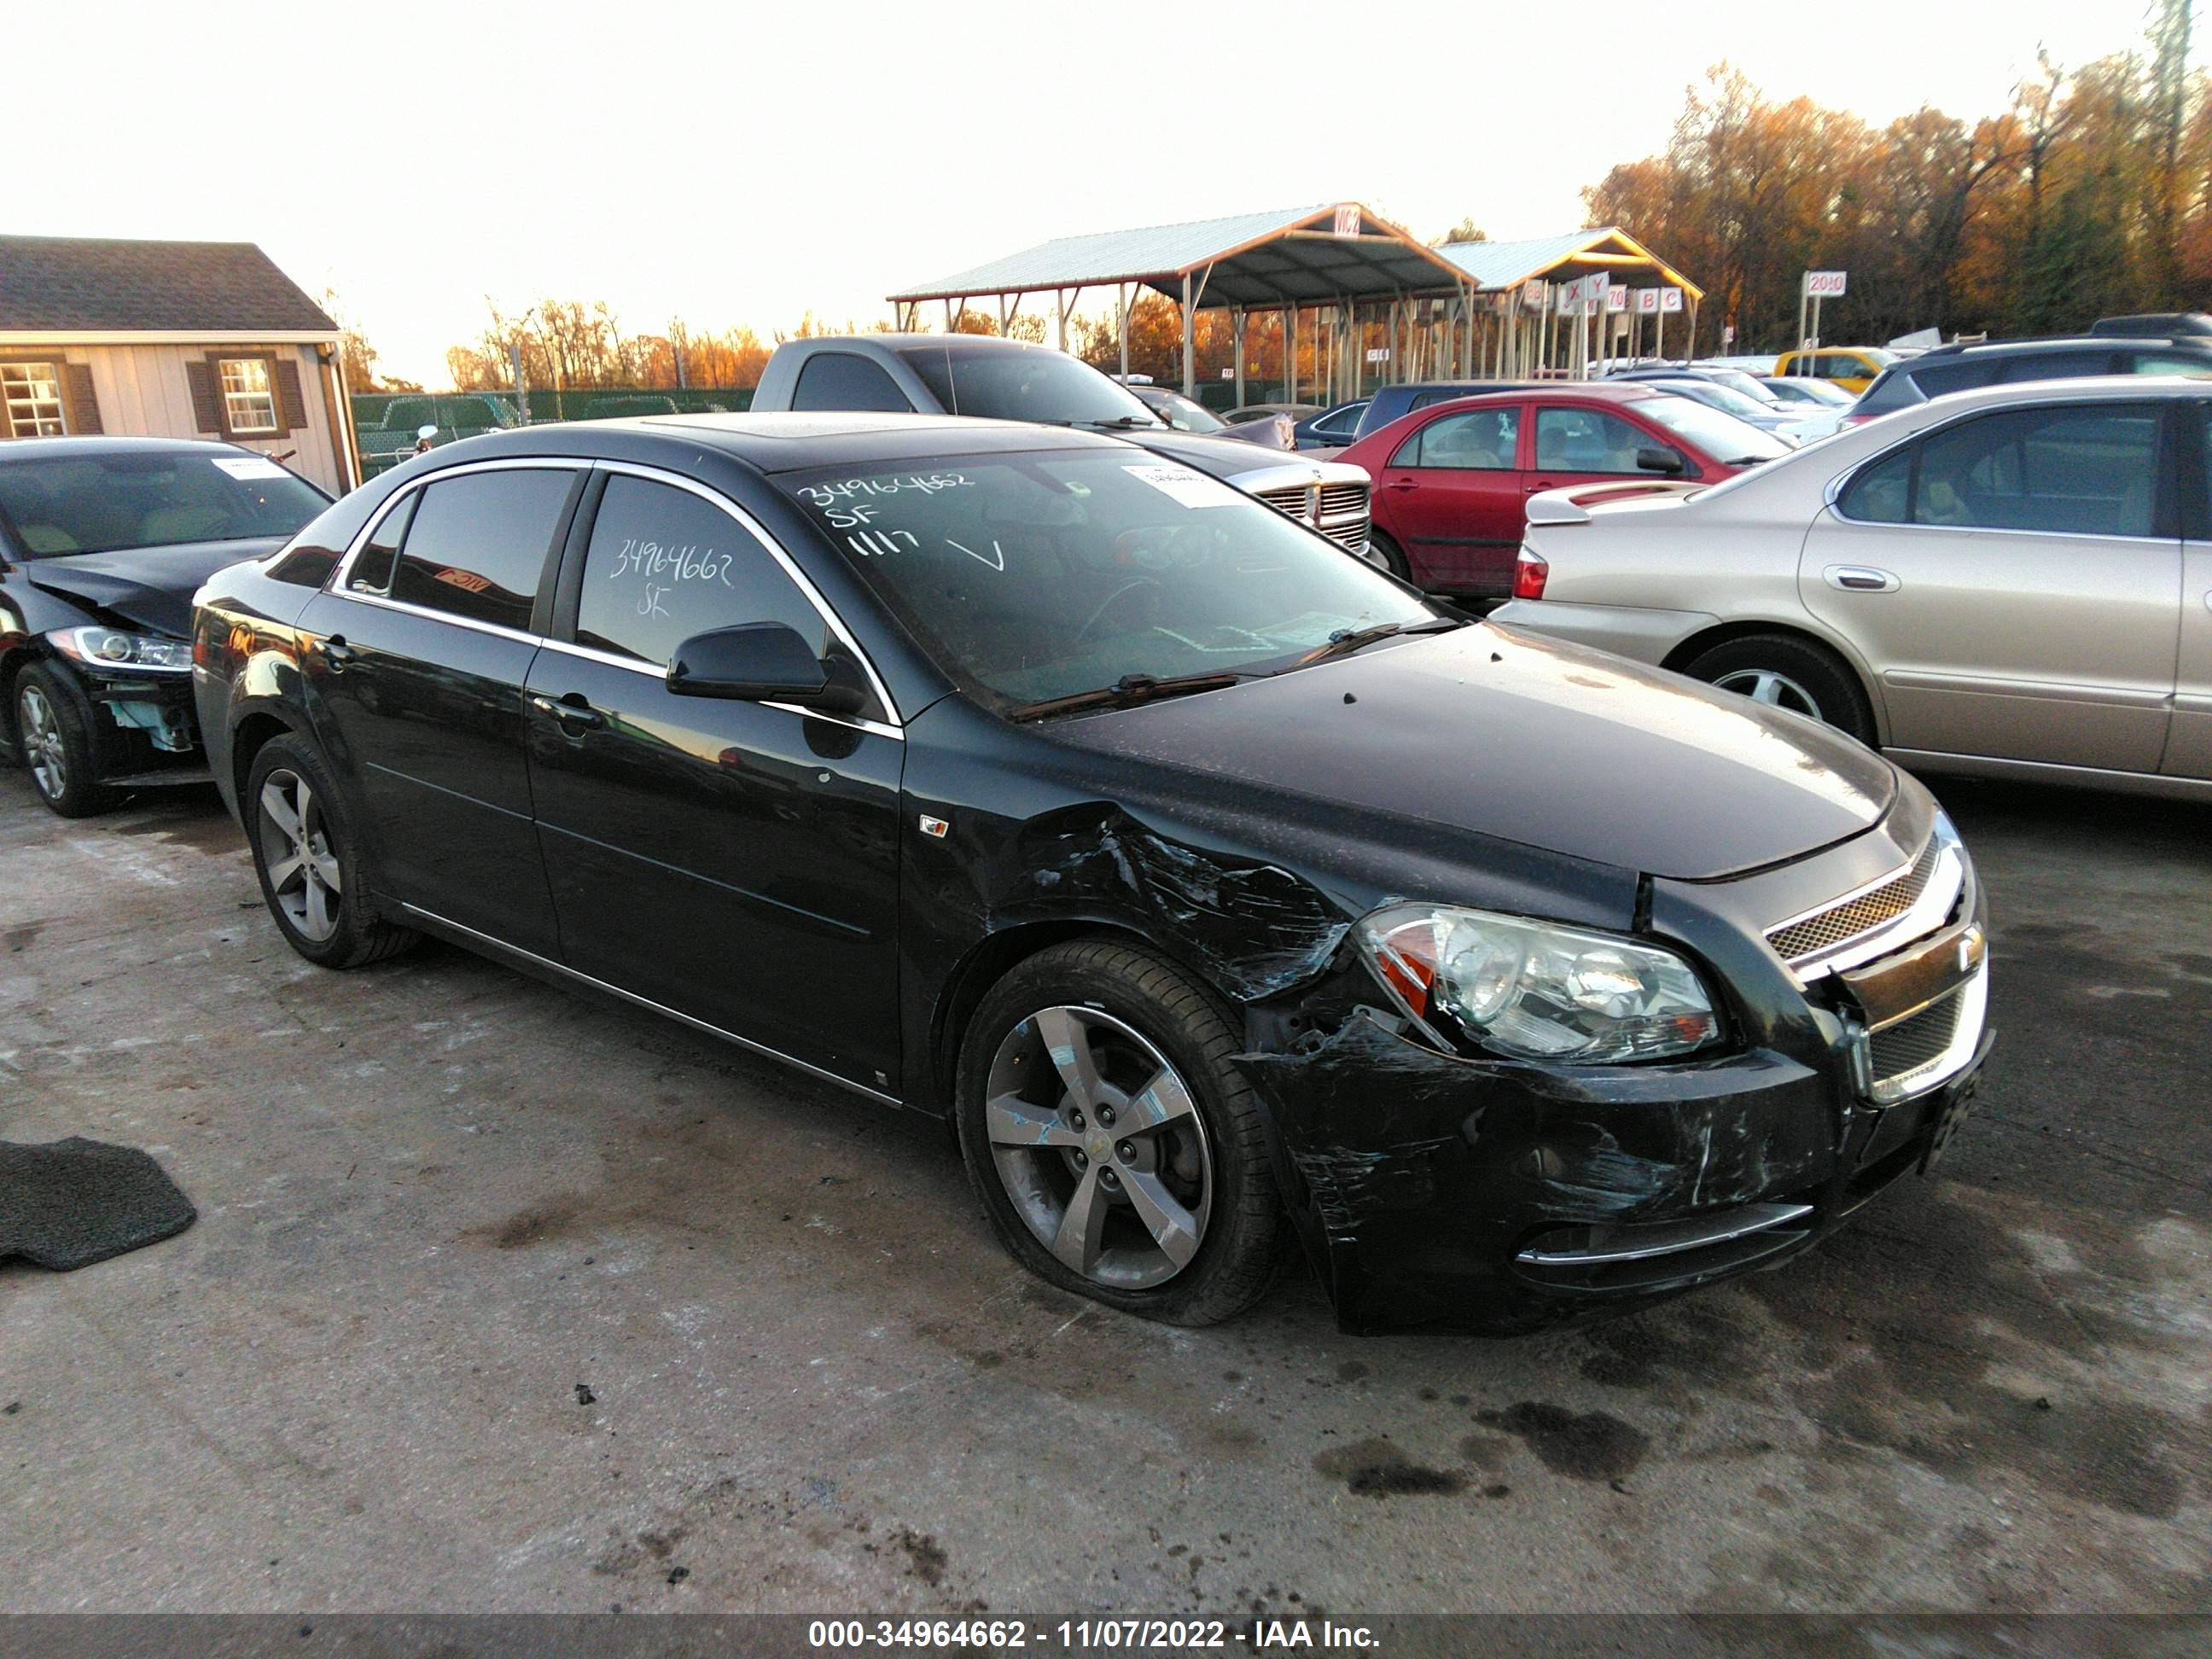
[734, 164]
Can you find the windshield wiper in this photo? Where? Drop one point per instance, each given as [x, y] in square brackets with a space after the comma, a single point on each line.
[1125, 693]
[1346, 641]
[1123, 423]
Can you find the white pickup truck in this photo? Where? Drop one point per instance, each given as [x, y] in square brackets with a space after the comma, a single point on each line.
[1012, 380]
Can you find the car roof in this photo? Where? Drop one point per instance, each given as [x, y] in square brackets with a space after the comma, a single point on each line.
[2136, 388]
[48, 449]
[787, 441]
[2140, 343]
[959, 344]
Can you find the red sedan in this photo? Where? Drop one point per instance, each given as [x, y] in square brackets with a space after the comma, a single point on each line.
[1451, 481]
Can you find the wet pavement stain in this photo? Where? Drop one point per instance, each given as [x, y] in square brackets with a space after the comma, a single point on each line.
[1585, 1446]
[1376, 1468]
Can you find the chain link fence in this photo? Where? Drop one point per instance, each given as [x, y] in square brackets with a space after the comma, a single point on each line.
[390, 424]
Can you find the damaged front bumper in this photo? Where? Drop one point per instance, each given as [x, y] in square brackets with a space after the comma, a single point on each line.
[1505, 1197]
[145, 726]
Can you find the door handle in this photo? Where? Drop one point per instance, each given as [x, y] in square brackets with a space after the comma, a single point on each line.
[1540, 484]
[1859, 578]
[337, 653]
[1401, 483]
[571, 710]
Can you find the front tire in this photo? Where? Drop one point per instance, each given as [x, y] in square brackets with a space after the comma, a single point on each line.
[1786, 673]
[56, 744]
[309, 860]
[1385, 554]
[1113, 1143]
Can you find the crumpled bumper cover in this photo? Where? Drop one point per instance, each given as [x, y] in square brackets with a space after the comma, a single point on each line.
[1417, 1178]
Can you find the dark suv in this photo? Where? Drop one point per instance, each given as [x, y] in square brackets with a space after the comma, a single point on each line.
[1965, 368]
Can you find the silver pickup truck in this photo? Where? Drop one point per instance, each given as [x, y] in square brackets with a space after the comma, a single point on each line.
[1012, 380]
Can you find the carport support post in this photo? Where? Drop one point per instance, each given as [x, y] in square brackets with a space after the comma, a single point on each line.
[1121, 310]
[1237, 333]
[1189, 378]
[1064, 300]
[1290, 352]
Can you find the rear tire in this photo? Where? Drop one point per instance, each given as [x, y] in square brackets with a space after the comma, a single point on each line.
[1785, 672]
[309, 860]
[1116, 1148]
[56, 742]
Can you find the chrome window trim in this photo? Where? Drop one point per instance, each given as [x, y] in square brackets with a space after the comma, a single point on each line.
[638, 665]
[799, 579]
[337, 579]
[1832, 493]
[386, 602]
[707, 1026]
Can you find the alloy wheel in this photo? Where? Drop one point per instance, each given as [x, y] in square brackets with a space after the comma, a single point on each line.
[296, 851]
[43, 749]
[1776, 690]
[1099, 1146]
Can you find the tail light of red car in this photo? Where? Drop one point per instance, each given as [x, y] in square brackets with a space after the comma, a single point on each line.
[1529, 574]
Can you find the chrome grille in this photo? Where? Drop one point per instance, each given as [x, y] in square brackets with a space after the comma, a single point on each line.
[1292, 500]
[1340, 501]
[1353, 535]
[1841, 923]
[1896, 1051]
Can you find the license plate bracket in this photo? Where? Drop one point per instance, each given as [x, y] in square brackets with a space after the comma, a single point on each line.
[1948, 1116]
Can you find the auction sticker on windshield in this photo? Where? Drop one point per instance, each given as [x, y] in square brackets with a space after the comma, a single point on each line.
[1180, 484]
[250, 466]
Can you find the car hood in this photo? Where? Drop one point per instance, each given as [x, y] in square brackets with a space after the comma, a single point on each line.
[151, 588]
[1219, 457]
[1530, 740]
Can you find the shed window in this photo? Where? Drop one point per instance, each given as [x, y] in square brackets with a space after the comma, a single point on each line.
[33, 395]
[249, 400]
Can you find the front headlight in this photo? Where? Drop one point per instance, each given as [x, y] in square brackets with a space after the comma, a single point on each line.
[117, 652]
[1534, 990]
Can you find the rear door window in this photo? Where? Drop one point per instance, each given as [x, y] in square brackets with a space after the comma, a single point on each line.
[2085, 469]
[665, 564]
[1965, 375]
[1483, 441]
[2058, 365]
[478, 544]
[2154, 362]
[838, 380]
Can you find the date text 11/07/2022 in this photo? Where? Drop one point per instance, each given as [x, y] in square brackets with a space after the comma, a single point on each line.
[1093, 1635]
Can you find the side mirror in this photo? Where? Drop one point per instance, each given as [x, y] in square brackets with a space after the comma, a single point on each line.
[759, 662]
[1656, 459]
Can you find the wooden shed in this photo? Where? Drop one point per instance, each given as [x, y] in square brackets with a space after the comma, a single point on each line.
[172, 340]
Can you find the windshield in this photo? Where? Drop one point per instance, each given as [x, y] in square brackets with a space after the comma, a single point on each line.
[1183, 413]
[1035, 384]
[1713, 395]
[102, 502]
[1040, 575]
[1745, 386]
[1724, 437]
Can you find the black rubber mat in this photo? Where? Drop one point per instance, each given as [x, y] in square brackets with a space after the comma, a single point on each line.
[70, 1203]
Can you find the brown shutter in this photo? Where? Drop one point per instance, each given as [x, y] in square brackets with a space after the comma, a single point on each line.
[291, 404]
[207, 412]
[76, 391]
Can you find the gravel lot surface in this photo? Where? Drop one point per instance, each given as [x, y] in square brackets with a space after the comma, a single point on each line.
[501, 1299]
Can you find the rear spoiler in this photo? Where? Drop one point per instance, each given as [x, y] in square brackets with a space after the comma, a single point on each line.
[1572, 504]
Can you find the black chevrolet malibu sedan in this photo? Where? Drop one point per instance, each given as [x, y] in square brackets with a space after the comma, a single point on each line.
[1200, 874]
[102, 542]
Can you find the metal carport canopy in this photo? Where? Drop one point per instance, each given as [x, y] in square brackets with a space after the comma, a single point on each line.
[1290, 257]
[1335, 254]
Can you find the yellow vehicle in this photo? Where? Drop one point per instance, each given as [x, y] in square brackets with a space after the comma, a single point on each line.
[1852, 368]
